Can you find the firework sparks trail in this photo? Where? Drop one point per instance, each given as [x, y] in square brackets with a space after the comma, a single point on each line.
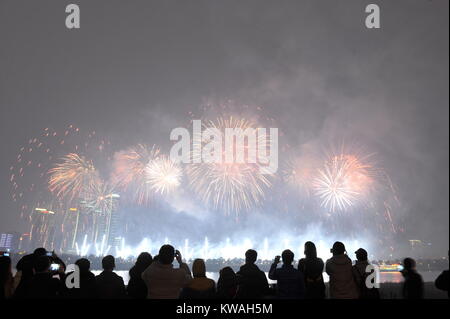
[29, 172]
[73, 177]
[230, 186]
[163, 175]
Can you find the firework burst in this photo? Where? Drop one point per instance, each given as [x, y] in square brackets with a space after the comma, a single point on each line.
[163, 175]
[344, 180]
[73, 177]
[29, 172]
[102, 198]
[129, 171]
[231, 187]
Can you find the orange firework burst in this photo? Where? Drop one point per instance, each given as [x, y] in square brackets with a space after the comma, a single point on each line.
[29, 172]
[73, 177]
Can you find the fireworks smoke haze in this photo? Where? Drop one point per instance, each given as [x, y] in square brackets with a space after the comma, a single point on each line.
[135, 71]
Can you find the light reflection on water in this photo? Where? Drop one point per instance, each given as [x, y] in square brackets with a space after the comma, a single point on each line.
[394, 277]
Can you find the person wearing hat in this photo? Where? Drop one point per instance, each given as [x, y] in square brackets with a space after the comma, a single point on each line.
[339, 268]
[360, 273]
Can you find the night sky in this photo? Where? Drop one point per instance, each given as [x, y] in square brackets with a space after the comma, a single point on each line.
[135, 69]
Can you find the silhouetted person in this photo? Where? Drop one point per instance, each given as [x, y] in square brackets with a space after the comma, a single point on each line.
[290, 281]
[43, 284]
[312, 268]
[162, 280]
[252, 282]
[360, 274]
[25, 271]
[200, 287]
[87, 289]
[413, 284]
[339, 268]
[136, 288]
[109, 284]
[227, 284]
[6, 278]
[442, 282]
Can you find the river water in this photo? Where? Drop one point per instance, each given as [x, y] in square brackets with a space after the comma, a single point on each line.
[385, 277]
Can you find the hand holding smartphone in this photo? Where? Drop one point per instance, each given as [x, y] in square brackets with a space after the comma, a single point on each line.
[55, 267]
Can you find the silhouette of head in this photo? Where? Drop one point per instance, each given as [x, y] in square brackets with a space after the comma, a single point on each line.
[338, 248]
[310, 250]
[40, 252]
[409, 264]
[108, 262]
[361, 254]
[287, 256]
[42, 264]
[144, 260]
[83, 264]
[251, 256]
[227, 273]
[227, 277]
[166, 254]
[199, 268]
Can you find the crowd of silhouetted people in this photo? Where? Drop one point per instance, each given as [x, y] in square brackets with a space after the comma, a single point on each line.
[43, 274]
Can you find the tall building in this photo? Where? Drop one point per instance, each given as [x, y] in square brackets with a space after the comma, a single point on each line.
[42, 228]
[9, 241]
[112, 218]
[105, 222]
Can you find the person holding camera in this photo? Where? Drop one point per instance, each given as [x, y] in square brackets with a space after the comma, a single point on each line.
[162, 279]
[290, 282]
[44, 284]
[340, 269]
[26, 269]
